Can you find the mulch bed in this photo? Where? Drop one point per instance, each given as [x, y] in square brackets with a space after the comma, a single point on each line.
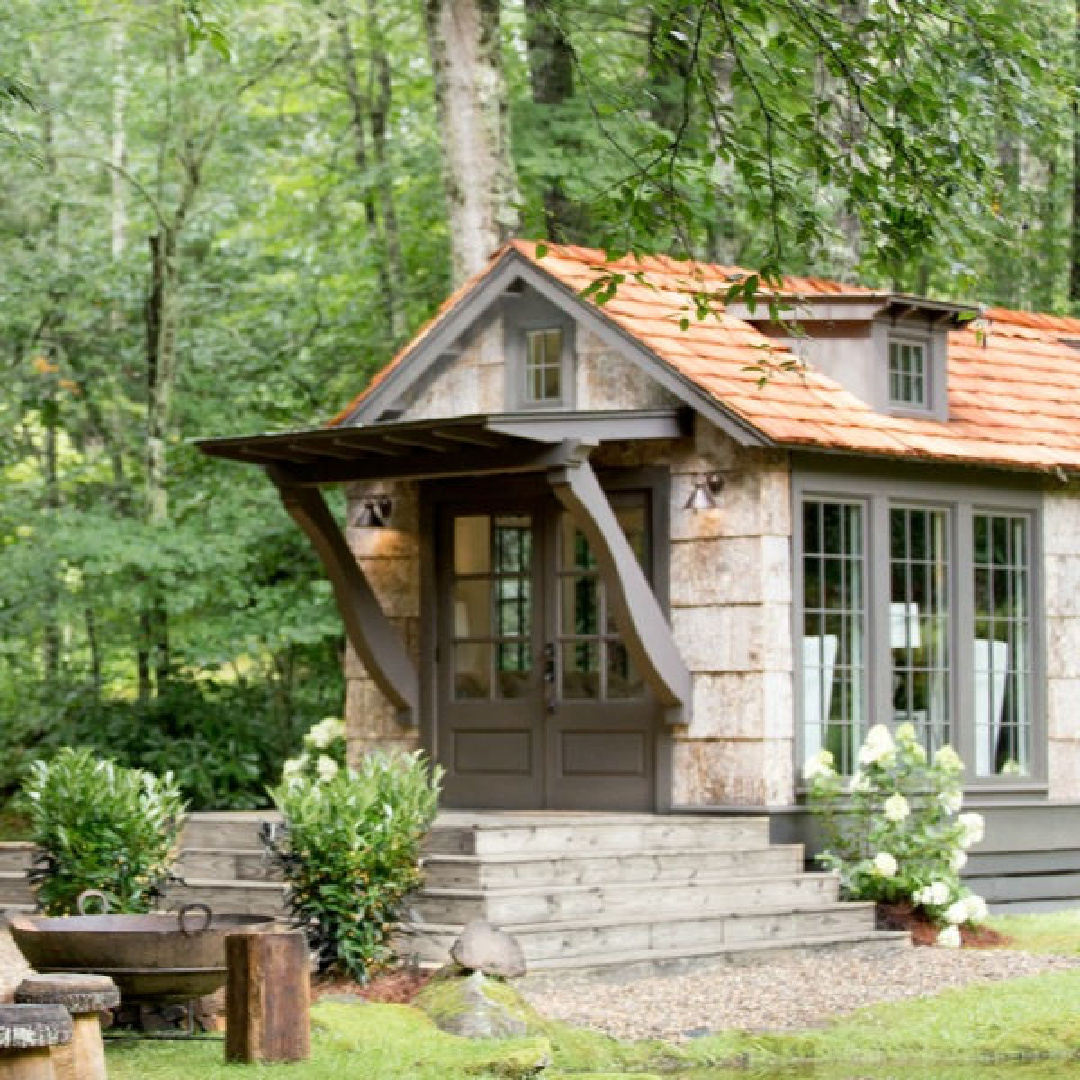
[924, 932]
[392, 986]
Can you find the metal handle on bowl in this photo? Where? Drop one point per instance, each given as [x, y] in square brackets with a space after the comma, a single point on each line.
[189, 909]
[92, 894]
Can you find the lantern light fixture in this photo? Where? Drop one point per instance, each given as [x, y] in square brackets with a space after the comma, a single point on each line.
[374, 513]
[707, 489]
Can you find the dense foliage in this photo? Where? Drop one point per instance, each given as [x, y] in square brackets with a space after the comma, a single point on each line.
[895, 832]
[350, 853]
[225, 216]
[102, 827]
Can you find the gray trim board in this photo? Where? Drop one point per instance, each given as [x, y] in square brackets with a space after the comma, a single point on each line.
[370, 633]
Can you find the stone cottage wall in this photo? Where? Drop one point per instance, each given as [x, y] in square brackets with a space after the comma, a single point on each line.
[390, 558]
[1061, 589]
[730, 591]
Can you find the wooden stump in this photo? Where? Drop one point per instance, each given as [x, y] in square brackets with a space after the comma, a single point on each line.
[268, 999]
[28, 1036]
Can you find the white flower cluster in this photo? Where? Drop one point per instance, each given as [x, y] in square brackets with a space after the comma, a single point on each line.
[971, 909]
[896, 808]
[319, 738]
[974, 829]
[819, 764]
[949, 938]
[885, 865]
[879, 746]
[934, 895]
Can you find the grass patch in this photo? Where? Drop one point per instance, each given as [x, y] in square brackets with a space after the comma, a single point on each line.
[1024, 1018]
[1056, 932]
[384, 1042]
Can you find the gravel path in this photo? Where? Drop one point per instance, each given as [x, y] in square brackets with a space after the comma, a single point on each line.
[779, 995]
[12, 965]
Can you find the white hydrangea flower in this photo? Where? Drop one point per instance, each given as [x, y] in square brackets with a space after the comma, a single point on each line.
[957, 912]
[952, 802]
[905, 733]
[974, 829]
[327, 768]
[947, 758]
[292, 768]
[958, 860]
[949, 938]
[820, 764]
[325, 732]
[976, 908]
[935, 894]
[885, 865]
[879, 744]
[896, 808]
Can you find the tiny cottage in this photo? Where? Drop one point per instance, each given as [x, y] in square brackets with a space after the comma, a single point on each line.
[614, 557]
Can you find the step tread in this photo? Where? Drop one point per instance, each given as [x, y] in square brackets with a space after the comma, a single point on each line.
[494, 819]
[611, 959]
[627, 886]
[511, 857]
[597, 921]
[253, 884]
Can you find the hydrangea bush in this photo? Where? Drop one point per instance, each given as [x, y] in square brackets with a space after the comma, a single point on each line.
[895, 832]
[323, 755]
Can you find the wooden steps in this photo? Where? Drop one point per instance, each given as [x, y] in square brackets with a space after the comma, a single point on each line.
[585, 891]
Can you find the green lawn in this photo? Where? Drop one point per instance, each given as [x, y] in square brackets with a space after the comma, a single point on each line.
[1020, 1030]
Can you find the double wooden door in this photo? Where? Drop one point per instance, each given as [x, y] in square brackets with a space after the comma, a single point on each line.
[538, 704]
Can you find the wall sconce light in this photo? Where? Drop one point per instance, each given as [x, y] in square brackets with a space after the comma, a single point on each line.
[706, 491]
[374, 513]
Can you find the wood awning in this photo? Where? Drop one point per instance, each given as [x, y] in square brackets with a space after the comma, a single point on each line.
[556, 445]
[429, 449]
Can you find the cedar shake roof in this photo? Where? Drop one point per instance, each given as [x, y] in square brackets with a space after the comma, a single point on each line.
[1014, 377]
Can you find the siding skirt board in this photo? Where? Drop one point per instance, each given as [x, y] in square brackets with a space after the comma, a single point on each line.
[547, 662]
[537, 700]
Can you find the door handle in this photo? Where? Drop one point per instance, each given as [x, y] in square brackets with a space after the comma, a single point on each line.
[549, 676]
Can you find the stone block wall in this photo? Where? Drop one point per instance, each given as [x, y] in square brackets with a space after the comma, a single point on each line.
[1061, 590]
[730, 587]
[390, 557]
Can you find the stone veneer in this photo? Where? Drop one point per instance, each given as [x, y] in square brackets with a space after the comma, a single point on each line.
[1061, 575]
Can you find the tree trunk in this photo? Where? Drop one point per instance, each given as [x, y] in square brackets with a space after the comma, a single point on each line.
[118, 145]
[551, 80]
[470, 97]
[359, 108]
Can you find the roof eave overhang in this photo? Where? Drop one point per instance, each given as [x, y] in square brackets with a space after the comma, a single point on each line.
[797, 308]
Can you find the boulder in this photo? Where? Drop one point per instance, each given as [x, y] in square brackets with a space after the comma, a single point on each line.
[484, 948]
[476, 1007]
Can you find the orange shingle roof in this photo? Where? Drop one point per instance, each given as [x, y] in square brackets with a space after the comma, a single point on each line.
[1014, 380]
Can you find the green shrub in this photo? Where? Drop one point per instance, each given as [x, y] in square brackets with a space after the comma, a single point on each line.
[350, 852]
[100, 826]
[895, 832]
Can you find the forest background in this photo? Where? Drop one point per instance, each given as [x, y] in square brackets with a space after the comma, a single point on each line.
[223, 216]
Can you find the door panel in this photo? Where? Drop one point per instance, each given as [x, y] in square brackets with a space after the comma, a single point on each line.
[538, 703]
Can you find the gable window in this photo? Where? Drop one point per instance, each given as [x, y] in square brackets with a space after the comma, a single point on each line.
[908, 374]
[918, 605]
[543, 366]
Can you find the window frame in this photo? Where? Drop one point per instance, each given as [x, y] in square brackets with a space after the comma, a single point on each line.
[962, 500]
[926, 375]
[527, 315]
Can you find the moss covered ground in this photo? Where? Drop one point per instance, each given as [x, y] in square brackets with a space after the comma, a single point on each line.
[1025, 1029]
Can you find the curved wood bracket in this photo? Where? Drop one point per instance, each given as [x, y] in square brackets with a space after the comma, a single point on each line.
[637, 612]
[370, 633]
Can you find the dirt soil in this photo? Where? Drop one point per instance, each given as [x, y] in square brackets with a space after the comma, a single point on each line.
[924, 932]
[393, 986]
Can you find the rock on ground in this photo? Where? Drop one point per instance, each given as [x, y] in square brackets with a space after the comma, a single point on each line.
[482, 947]
[13, 968]
[475, 1006]
[779, 995]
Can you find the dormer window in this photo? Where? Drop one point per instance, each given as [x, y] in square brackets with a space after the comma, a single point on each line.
[908, 375]
[544, 366]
